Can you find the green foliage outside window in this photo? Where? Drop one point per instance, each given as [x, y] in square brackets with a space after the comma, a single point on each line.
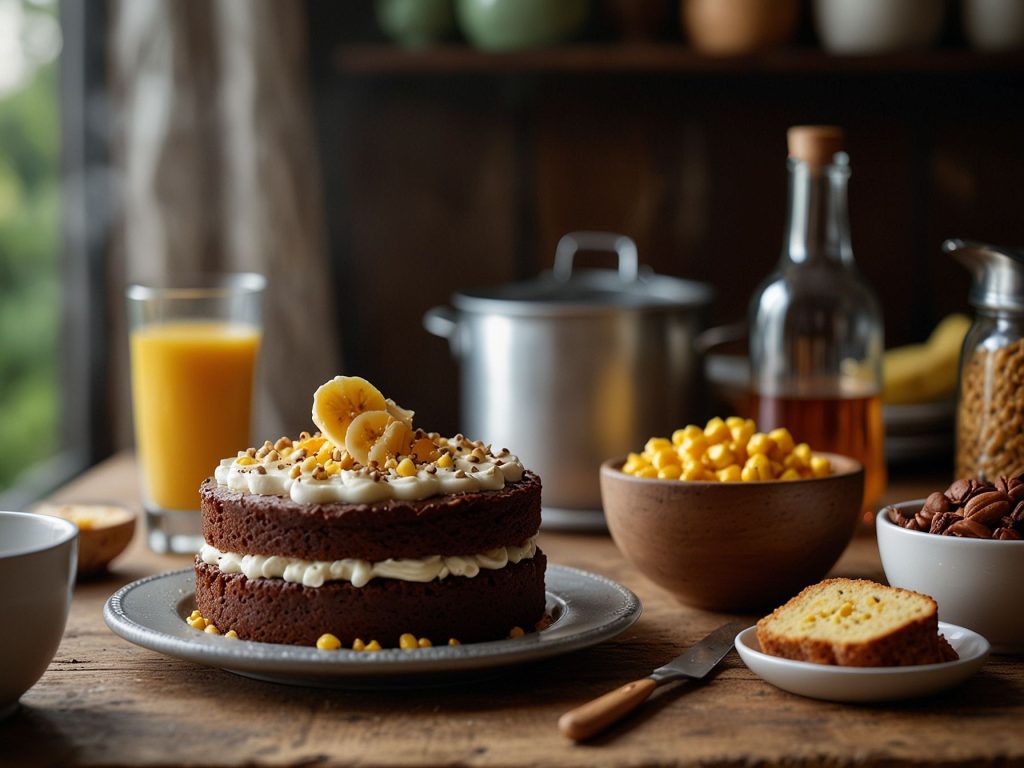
[29, 283]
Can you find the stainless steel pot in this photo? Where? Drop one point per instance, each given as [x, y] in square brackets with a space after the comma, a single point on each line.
[575, 366]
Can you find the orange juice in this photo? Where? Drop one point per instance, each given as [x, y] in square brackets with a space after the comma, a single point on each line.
[192, 390]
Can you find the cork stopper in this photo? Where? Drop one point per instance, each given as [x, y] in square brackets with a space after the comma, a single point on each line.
[815, 145]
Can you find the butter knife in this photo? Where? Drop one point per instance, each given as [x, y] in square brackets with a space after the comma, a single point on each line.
[594, 716]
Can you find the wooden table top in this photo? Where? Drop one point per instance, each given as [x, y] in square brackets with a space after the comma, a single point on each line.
[104, 701]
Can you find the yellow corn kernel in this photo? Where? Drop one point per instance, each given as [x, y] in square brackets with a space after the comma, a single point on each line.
[358, 645]
[802, 453]
[372, 646]
[846, 609]
[820, 466]
[693, 448]
[347, 462]
[407, 642]
[716, 431]
[670, 473]
[312, 444]
[757, 468]
[719, 456]
[328, 642]
[734, 421]
[650, 472]
[211, 630]
[245, 461]
[453, 641]
[666, 457]
[424, 449]
[810, 618]
[424, 642]
[406, 468]
[324, 453]
[777, 469]
[332, 467]
[231, 634]
[783, 440]
[199, 623]
[194, 615]
[739, 451]
[789, 474]
[692, 473]
[743, 432]
[309, 464]
[655, 444]
[632, 468]
[731, 474]
[516, 632]
[445, 462]
[760, 443]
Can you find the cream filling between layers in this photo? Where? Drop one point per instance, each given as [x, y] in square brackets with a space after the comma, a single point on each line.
[314, 573]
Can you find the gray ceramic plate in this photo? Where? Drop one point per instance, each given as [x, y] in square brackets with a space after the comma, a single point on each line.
[587, 609]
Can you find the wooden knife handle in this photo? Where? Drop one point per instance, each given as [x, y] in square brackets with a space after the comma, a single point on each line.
[594, 716]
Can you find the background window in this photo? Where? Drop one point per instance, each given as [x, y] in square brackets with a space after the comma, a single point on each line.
[30, 235]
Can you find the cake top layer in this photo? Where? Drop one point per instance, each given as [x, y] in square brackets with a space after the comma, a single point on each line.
[366, 451]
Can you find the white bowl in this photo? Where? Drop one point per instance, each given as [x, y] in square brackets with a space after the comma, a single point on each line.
[994, 25]
[37, 575]
[870, 27]
[974, 581]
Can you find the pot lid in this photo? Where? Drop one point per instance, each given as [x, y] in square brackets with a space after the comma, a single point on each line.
[565, 290]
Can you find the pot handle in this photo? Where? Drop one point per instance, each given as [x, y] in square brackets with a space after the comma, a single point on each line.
[570, 244]
[443, 321]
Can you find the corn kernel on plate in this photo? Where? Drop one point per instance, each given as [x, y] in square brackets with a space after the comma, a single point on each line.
[866, 684]
[585, 608]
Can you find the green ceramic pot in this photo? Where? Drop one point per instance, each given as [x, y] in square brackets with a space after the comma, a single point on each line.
[415, 23]
[505, 25]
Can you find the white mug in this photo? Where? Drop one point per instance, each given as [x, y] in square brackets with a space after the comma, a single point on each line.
[38, 555]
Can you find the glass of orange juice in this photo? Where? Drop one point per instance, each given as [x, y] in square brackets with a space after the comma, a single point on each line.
[194, 344]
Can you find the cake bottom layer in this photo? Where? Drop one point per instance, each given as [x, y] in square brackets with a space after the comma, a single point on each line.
[484, 607]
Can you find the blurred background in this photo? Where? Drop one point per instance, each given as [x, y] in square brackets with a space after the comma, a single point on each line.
[373, 158]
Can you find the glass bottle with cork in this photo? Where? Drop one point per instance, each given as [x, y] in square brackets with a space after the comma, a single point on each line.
[816, 325]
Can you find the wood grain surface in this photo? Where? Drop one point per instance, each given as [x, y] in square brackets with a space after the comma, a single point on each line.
[104, 701]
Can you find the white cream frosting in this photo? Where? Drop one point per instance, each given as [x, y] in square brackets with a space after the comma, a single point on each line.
[359, 486]
[314, 573]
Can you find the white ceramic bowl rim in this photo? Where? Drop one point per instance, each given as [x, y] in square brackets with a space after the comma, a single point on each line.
[883, 519]
[65, 529]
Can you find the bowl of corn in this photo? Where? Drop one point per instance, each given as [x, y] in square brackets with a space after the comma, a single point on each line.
[728, 518]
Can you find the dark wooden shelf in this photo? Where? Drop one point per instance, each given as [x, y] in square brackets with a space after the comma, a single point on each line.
[657, 58]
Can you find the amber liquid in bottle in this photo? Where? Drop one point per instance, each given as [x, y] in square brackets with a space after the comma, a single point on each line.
[851, 426]
[816, 326]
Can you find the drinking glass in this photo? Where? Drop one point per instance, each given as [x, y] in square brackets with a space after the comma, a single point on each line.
[194, 342]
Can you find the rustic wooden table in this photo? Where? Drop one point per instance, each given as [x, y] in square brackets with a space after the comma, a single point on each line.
[104, 701]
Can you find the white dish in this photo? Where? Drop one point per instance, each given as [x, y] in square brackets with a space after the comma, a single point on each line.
[587, 609]
[866, 684]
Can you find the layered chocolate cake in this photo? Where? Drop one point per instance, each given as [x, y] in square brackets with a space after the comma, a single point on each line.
[370, 530]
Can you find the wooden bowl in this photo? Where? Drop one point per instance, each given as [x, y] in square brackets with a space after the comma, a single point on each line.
[104, 531]
[737, 27]
[740, 547]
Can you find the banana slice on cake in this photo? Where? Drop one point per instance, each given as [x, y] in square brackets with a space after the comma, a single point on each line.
[399, 413]
[377, 436]
[340, 401]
